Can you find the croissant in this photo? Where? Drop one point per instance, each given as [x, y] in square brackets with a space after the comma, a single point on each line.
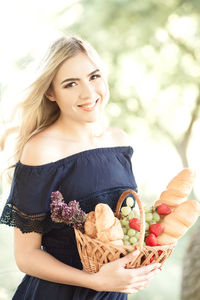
[178, 189]
[102, 224]
[113, 233]
[90, 226]
[104, 217]
[179, 221]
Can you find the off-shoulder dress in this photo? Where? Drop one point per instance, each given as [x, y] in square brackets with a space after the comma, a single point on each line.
[90, 177]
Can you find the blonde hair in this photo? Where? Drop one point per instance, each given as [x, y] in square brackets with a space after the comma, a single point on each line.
[37, 112]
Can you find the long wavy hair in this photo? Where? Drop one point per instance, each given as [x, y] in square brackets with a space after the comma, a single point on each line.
[36, 111]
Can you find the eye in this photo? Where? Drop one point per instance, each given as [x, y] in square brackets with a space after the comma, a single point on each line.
[95, 76]
[71, 84]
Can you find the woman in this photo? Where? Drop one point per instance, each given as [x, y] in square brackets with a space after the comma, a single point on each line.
[59, 149]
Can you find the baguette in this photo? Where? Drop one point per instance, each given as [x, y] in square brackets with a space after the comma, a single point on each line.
[178, 189]
[179, 221]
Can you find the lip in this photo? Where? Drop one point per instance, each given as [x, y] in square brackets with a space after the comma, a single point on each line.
[83, 106]
[86, 104]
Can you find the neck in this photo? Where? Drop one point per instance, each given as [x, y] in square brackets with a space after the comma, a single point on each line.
[85, 133]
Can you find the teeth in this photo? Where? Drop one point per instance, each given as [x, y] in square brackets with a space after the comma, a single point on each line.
[90, 106]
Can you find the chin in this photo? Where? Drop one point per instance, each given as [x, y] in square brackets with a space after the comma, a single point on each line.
[93, 119]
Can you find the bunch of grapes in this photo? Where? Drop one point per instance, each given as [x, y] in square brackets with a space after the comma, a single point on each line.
[131, 235]
[130, 222]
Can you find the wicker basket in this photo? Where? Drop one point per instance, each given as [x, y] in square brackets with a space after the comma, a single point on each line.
[94, 253]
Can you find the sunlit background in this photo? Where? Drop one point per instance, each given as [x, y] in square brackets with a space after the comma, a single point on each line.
[152, 52]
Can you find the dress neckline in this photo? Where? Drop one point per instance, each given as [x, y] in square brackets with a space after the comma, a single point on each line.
[78, 154]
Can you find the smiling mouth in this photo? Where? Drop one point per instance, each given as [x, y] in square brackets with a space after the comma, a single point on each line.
[90, 106]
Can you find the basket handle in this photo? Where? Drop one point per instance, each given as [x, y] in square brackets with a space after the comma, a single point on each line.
[142, 216]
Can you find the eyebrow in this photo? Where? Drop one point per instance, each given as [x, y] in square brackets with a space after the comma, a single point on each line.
[73, 79]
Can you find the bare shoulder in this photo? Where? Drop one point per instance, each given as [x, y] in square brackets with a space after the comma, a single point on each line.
[119, 136]
[37, 151]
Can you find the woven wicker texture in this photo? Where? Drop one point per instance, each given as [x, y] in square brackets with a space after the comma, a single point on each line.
[94, 253]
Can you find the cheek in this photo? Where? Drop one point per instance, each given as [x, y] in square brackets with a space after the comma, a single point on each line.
[102, 88]
[65, 96]
[104, 91]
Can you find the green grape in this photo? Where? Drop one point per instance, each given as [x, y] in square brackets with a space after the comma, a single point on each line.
[148, 217]
[131, 215]
[148, 209]
[133, 240]
[156, 217]
[124, 222]
[126, 240]
[136, 215]
[126, 237]
[129, 201]
[137, 235]
[125, 210]
[152, 222]
[129, 250]
[131, 232]
[127, 243]
[124, 230]
[146, 226]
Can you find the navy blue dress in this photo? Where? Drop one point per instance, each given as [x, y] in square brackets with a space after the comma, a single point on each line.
[90, 177]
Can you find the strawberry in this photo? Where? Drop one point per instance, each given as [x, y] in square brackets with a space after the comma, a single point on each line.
[151, 240]
[134, 223]
[156, 229]
[151, 259]
[160, 252]
[163, 209]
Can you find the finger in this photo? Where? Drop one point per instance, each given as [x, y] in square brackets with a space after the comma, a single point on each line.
[131, 257]
[142, 288]
[141, 284]
[147, 269]
[143, 272]
[148, 276]
[130, 291]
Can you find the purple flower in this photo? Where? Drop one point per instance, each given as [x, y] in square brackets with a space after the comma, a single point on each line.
[70, 214]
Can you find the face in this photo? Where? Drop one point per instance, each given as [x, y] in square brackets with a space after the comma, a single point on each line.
[79, 89]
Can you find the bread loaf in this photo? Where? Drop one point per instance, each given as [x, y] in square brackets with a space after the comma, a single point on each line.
[183, 182]
[179, 221]
[178, 189]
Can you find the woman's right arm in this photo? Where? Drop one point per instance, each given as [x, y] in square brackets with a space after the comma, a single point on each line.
[34, 261]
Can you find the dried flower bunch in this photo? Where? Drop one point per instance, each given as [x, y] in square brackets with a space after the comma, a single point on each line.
[70, 214]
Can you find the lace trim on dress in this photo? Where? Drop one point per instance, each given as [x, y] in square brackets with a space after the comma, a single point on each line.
[40, 223]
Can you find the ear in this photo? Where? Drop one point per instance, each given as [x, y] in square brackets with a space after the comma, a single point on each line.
[50, 94]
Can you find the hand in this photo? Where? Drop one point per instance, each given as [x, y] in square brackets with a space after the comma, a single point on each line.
[114, 277]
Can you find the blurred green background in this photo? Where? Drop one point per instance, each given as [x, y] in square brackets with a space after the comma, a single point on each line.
[152, 52]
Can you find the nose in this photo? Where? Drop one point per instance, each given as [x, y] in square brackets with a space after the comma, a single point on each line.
[86, 91]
